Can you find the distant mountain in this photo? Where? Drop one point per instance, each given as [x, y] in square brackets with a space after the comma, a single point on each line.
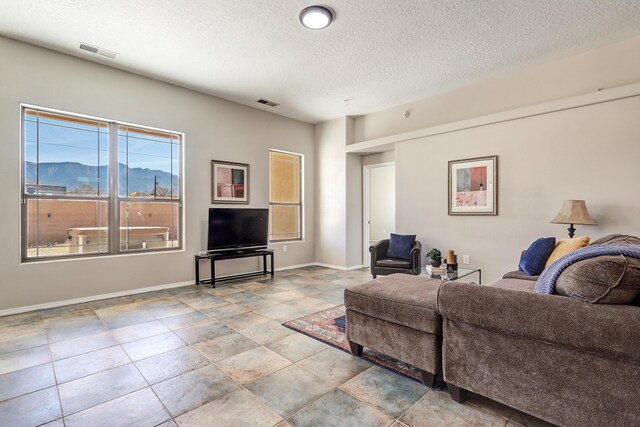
[76, 175]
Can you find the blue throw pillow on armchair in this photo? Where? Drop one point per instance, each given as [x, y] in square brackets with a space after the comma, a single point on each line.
[533, 259]
[400, 246]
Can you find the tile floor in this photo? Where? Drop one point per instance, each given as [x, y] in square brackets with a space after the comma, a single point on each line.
[195, 356]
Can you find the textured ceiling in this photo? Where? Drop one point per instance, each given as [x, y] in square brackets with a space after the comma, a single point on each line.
[377, 53]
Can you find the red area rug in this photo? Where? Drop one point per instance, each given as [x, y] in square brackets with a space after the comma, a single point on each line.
[329, 326]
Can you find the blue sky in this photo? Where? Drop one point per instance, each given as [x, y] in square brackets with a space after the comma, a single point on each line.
[89, 147]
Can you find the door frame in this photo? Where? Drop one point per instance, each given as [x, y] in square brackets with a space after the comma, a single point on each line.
[366, 214]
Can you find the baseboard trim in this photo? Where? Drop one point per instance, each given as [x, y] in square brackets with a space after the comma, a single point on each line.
[91, 298]
[339, 267]
[292, 267]
[335, 267]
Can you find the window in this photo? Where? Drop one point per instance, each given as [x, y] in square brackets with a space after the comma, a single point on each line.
[84, 178]
[149, 188]
[285, 196]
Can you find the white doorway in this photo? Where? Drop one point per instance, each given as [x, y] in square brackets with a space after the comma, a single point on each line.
[379, 205]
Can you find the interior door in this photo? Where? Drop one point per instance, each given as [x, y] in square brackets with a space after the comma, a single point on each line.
[379, 205]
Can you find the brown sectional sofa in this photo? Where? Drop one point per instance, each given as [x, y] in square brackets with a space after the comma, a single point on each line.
[559, 359]
[554, 357]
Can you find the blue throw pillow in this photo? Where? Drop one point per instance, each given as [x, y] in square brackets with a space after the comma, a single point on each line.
[400, 246]
[533, 259]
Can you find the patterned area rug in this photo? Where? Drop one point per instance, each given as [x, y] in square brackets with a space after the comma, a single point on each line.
[329, 327]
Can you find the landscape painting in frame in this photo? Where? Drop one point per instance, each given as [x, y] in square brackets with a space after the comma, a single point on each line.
[473, 186]
[229, 182]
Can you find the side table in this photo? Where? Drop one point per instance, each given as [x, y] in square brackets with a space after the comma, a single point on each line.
[456, 275]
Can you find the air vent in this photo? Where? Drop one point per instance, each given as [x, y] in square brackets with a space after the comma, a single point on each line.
[267, 102]
[107, 53]
[88, 48]
[98, 51]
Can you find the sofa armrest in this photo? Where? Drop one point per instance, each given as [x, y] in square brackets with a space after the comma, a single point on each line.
[520, 275]
[416, 258]
[378, 250]
[605, 330]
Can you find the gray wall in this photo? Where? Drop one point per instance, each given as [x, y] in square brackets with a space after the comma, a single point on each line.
[214, 128]
[588, 153]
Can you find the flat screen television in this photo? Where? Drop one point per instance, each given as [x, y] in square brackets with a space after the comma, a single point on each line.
[237, 229]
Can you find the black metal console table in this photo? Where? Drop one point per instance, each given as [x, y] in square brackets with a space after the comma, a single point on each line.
[219, 256]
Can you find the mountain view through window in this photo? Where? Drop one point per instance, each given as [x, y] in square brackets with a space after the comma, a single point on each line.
[69, 204]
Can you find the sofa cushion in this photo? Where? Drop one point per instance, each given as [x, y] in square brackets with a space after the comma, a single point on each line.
[611, 279]
[406, 300]
[566, 246]
[511, 284]
[393, 263]
[519, 275]
[534, 259]
[400, 246]
[617, 239]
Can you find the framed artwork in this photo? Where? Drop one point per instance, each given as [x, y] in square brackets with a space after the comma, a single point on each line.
[473, 186]
[229, 182]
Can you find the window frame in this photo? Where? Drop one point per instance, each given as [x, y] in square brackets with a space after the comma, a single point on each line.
[112, 199]
[301, 191]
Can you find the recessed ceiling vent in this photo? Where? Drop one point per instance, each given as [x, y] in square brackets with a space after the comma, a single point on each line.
[267, 102]
[98, 51]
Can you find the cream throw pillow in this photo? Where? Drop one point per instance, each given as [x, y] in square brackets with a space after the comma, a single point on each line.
[565, 246]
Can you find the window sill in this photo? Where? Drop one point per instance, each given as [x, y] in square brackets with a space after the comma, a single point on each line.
[286, 242]
[38, 261]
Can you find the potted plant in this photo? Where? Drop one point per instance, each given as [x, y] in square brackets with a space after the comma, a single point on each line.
[436, 257]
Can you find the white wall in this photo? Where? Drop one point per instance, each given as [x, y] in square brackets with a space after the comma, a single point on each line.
[610, 66]
[372, 159]
[338, 196]
[214, 128]
[331, 223]
[354, 211]
[382, 202]
[588, 153]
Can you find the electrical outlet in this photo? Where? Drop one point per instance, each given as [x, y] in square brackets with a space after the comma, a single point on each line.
[465, 259]
[284, 248]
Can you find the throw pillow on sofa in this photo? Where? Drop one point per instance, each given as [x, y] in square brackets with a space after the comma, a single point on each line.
[609, 279]
[400, 246]
[565, 246]
[617, 239]
[534, 259]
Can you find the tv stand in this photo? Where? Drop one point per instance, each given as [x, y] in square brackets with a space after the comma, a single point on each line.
[236, 254]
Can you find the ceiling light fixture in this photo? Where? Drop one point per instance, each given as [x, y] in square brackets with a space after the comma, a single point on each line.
[316, 17]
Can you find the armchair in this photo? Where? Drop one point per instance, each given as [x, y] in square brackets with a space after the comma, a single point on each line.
[383, 265]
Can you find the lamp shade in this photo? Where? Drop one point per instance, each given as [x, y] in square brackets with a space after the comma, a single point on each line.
[573, 212]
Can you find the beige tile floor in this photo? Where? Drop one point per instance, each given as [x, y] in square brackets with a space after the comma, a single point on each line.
[196, 356]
